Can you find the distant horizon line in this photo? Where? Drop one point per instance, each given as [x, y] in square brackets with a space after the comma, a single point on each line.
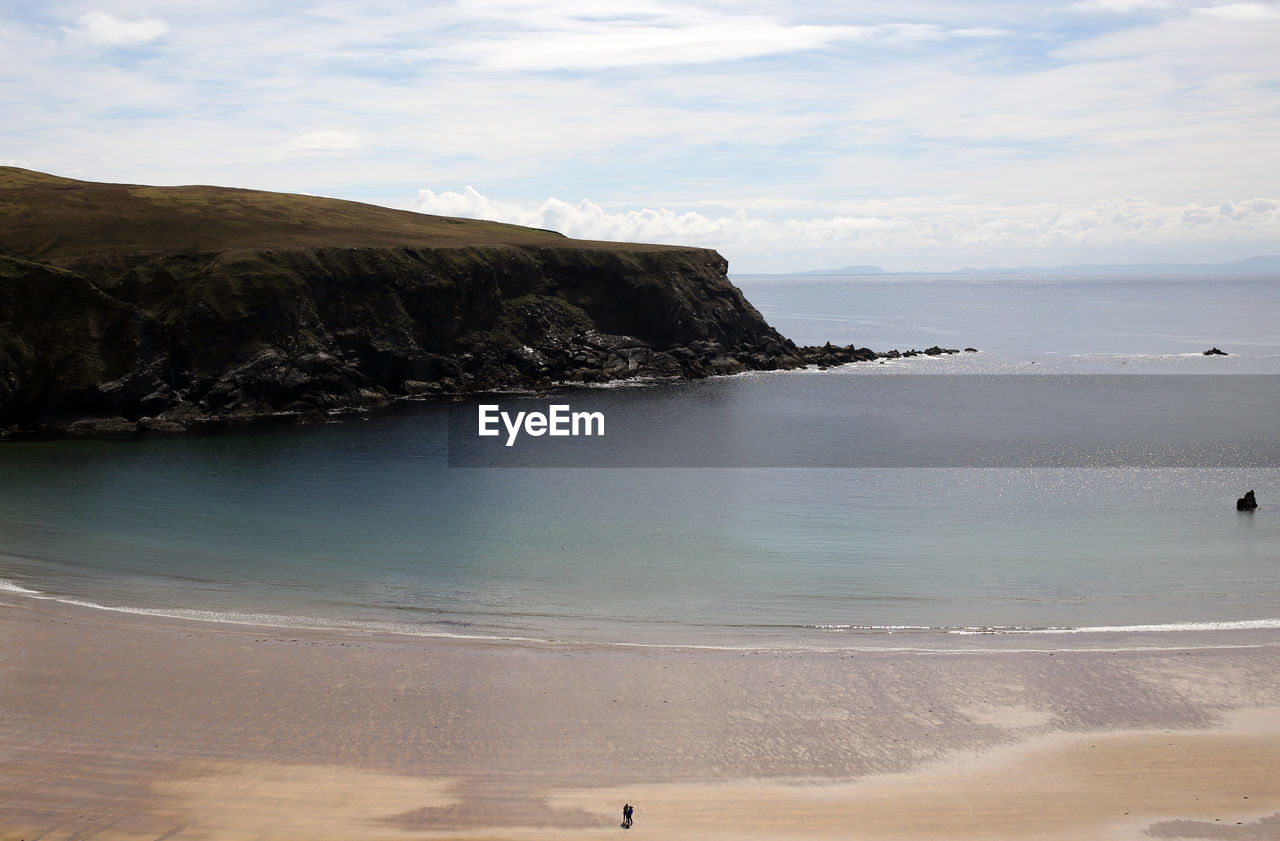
[1258, 264]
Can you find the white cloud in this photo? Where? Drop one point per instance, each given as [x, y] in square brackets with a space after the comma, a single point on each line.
[566, 37]
[324, 141]
[611, 46]
[1242, 12]
[910, 235]
[1123, 7]
[1245, 11]
[982, 32]
[100, 29]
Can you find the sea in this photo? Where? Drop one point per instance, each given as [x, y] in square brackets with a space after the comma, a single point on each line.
[1069, 483]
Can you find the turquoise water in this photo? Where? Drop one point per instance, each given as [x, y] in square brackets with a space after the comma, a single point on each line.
[1091, 503]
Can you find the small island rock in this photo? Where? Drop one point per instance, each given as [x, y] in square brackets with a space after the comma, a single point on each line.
[1213, 351]
[1246, 502]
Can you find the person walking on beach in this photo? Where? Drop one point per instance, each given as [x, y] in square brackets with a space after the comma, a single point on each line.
[626, 816]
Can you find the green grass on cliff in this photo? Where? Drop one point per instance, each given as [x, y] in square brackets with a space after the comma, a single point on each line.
[50, 219]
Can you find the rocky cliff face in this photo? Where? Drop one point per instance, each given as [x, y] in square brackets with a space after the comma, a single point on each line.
[137, 340]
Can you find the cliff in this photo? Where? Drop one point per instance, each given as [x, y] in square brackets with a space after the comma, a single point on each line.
[127, 307]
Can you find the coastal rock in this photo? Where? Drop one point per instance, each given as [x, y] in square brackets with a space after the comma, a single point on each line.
[207, 304]
[96, 427]
[125, 307]
[829, 355]
[207, 337]
[1213, 351]
[1247, 502]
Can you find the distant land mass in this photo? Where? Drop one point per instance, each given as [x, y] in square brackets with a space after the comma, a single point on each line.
[127, 307]
[1250, 265]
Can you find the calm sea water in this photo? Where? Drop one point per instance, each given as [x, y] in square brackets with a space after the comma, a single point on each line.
[1072, 484]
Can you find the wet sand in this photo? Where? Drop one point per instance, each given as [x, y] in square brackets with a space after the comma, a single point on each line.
[115, 726]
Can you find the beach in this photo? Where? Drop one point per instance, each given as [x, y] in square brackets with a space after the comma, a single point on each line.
[118, 726]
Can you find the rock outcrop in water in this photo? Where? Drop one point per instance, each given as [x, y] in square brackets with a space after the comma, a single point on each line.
[126, 307]
[1247, 502]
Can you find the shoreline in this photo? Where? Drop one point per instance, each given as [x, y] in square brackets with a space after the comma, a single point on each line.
[1172, 636]
[123, 726]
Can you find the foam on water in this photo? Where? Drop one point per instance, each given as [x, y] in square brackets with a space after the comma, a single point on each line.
[263, 620]
[11, 587]
[1173, 627]
[995, 630]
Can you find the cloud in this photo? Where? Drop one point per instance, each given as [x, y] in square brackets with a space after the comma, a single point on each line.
[812, 119]
[923, 231]
[584, 220]
[1242, 12]
[1123, 7]
[569, 38]
[604, 47]
[1245, 11]
[1137, 220]
[100, 29]
[324, 141]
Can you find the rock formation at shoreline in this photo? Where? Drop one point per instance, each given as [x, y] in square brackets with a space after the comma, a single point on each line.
[126, 307]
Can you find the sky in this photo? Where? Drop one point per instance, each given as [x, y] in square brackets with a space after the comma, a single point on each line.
[918, 135]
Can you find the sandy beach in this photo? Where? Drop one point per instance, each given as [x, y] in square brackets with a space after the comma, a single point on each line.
[116, 726]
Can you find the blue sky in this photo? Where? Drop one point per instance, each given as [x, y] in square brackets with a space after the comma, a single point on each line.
[788, 135]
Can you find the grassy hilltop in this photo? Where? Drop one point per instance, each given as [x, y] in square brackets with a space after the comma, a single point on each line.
[51, 219]
[127, 307]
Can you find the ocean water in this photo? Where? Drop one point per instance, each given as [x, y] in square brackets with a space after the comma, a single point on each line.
[1072, 484]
